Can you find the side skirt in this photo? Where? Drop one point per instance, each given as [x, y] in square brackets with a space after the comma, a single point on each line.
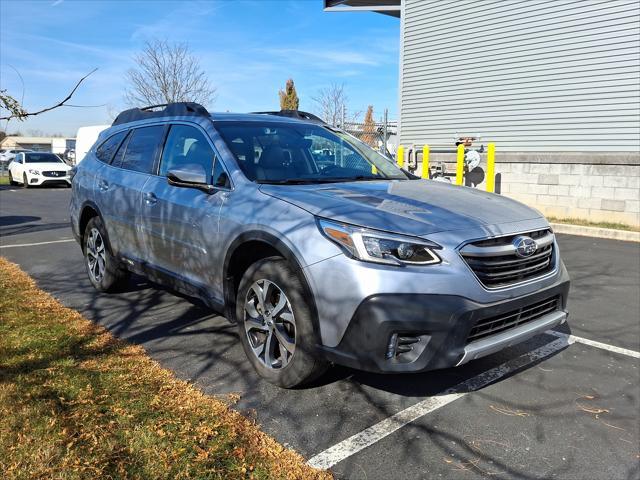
[174, 282]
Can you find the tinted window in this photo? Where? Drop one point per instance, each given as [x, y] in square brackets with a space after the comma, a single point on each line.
[220, 176]
[105, 151]
[41, 158]
[186, 145]
[117, 158]
[142, 148]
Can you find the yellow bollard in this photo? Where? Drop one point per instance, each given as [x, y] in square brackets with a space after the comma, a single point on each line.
[491, 167]
[400, 156]
[374, 170]
[460, 165]
[425, 162]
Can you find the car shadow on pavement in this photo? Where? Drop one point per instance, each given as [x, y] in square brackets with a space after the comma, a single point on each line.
[7, 220]
[21, 224]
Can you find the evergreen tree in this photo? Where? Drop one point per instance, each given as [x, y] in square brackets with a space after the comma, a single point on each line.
[369, 128]
[289, 97]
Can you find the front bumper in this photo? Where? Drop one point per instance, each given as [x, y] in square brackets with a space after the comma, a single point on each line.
[442, 324]
[42, 180]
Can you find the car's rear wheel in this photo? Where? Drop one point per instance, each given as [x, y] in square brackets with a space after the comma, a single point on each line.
[11, 180]
[275, 324]
[105, 272]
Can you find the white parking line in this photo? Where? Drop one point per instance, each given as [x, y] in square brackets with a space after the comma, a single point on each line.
[593, 343]
[37, 243]
[377, 432]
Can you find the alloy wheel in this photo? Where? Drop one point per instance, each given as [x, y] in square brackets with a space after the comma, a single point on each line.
[269, 324]
[96, 255]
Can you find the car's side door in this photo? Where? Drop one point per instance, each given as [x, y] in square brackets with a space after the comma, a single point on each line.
[17, 167]
[119, 188]
[180, 224]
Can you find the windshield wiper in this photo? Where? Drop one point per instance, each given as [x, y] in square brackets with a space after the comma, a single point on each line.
[286, 181]
[303, 181]
[357, 178]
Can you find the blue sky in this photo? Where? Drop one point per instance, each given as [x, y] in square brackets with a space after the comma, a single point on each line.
[248, 49]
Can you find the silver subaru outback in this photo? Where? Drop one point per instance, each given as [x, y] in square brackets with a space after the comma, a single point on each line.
[319, 248]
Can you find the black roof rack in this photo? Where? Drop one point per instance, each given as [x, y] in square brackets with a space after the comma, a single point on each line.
[300, 115]
[178, 109]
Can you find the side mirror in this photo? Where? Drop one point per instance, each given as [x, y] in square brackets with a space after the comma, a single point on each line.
[190, 176]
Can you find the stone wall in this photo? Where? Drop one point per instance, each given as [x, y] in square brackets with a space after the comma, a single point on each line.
[589, 186]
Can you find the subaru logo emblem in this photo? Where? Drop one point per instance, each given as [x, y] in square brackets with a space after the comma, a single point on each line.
[525, 246]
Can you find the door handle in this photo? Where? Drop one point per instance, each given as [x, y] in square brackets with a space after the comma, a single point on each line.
[150, 198]
[103, 185]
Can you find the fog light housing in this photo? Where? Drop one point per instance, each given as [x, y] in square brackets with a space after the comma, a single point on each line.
[405, 348]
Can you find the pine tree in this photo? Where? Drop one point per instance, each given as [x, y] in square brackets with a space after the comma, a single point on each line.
[289, 98]
[369, 128]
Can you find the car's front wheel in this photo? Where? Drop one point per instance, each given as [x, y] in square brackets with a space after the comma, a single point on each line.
[275, 324]
[105, 272]
[25, 181]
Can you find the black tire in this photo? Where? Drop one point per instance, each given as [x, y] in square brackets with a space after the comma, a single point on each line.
[11, 180]
[303, 365]
[112, 276]
[25, 183]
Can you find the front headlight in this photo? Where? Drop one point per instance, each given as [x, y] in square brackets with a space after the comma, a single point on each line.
[34, 172]
[380, 247]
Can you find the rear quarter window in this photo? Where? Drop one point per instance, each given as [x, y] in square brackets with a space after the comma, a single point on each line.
[106, 150]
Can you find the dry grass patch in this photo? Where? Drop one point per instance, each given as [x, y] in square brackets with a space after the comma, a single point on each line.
[75, 402]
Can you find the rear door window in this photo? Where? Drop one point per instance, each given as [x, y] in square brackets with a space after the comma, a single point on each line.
[142, 149]
[105, 151]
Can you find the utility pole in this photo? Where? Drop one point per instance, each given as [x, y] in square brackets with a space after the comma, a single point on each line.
[384, 130]
[343, 115]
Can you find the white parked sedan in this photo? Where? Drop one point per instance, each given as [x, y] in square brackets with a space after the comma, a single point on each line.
[37, 168]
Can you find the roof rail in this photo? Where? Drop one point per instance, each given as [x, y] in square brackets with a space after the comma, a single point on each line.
[298, 114]
[178, 109]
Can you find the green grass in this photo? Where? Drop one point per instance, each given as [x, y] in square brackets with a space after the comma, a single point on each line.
[4, 180]
[586, 223]
[77, 403]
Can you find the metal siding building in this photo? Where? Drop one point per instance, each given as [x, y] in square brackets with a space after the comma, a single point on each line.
[529, 75]
[546, 76]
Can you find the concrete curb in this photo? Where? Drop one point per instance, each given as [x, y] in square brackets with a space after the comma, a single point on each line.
[596, 232]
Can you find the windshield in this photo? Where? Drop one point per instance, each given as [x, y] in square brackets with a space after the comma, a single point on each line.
[41, 158]
[303, 153]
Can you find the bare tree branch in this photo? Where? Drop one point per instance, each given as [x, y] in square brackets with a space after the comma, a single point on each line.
[330, 102]
[17, 111]
[167, 73]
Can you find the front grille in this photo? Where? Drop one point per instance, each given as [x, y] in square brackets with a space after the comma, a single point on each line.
[55, 173]
[495, 263]
[499, 323]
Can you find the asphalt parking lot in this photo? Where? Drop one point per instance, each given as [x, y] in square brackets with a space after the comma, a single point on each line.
[553, 407]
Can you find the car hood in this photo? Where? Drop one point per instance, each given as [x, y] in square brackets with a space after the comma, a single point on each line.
[412, 207]
[47, 166]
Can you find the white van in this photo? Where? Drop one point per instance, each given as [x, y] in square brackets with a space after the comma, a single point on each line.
[85, 138]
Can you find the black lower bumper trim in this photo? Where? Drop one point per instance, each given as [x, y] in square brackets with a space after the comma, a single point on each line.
[441, 323]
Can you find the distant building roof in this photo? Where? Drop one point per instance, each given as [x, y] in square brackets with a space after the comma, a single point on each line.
[386, 7]
[16, 141]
